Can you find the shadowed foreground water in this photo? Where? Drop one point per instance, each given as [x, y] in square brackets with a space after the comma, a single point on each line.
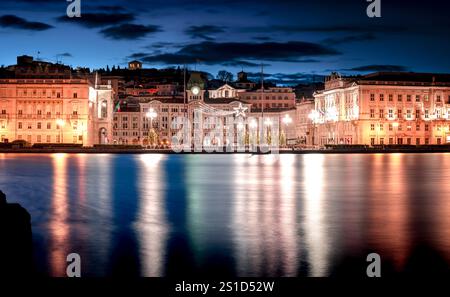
[234, 215]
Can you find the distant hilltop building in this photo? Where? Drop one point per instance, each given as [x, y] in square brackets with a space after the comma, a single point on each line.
[27, 67]
[134, 65]
[243, 82]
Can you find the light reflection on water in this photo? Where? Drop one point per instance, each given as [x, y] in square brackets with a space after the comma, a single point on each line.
[243, 215]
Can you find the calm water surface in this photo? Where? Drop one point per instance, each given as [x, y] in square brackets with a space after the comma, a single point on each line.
[234, 215]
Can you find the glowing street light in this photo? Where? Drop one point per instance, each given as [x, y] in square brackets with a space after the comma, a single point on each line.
[395, 125]
[253, 124]
[287, 119]
[151, 114]
[313, 116]
[60, 124]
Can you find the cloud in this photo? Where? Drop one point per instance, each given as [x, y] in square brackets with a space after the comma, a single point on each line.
[163, 44]
[137, 56]
[244, 64]
[377, 68]
[65, 55]
[98, 20]
[114, 8]
[349, 39]
[12, 21]
[262, 38]
[129, 31]
[286, 78]
[204, 32]
[211, 53]
[328, 29]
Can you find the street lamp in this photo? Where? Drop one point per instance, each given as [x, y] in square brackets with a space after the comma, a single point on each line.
[268, 123]
[286, 121]
[151, 114]
[395, 125]
[60, 123]
[313, 116]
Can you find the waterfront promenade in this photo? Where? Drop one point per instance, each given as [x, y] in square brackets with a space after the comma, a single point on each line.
[319, 150]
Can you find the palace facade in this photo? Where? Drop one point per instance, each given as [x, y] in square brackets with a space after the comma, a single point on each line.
[383, 108]
[44, 103]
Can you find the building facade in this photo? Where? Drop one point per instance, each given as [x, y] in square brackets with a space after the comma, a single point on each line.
[304, 127]
[384, 108]
[271, 98]
[55, 110]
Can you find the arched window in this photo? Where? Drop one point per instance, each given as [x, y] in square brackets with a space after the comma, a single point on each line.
[104, 109]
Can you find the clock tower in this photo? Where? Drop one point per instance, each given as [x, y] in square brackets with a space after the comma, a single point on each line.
[195, 87]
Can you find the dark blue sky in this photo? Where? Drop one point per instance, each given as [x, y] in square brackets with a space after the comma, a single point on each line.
[294, 38]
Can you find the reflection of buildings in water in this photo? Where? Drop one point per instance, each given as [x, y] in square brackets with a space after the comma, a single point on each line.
[208, 211]
[264, 216]
[81, 162]
[100, 193]
[151, 225]
[58, 225]
[437, 188]
[441, 209]
[388, 203]
[316, 235]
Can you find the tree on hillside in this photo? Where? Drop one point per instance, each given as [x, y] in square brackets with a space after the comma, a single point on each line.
[224, 75]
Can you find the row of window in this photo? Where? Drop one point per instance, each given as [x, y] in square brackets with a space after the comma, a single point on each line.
[409, 98]
[43, 93]
[48, 138]
[38, 112]
[408, 140]
[273, 105]
[399, 127]
[134, 133]
[438, 114]
[267, 97]
[39, 125]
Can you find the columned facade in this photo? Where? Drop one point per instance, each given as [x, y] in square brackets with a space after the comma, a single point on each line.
[380, 109]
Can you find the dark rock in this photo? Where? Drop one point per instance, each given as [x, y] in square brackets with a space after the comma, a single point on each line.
[15, 239]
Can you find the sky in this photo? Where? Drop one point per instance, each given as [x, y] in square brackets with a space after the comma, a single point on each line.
[295, 40]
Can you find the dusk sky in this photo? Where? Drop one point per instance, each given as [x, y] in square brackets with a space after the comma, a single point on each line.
[295, 39]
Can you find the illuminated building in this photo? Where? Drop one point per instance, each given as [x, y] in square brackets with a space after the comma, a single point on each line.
[304, 125]
[384, 108]
[271, 98]
[132, 124]
[133, 65]
[42, 102]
